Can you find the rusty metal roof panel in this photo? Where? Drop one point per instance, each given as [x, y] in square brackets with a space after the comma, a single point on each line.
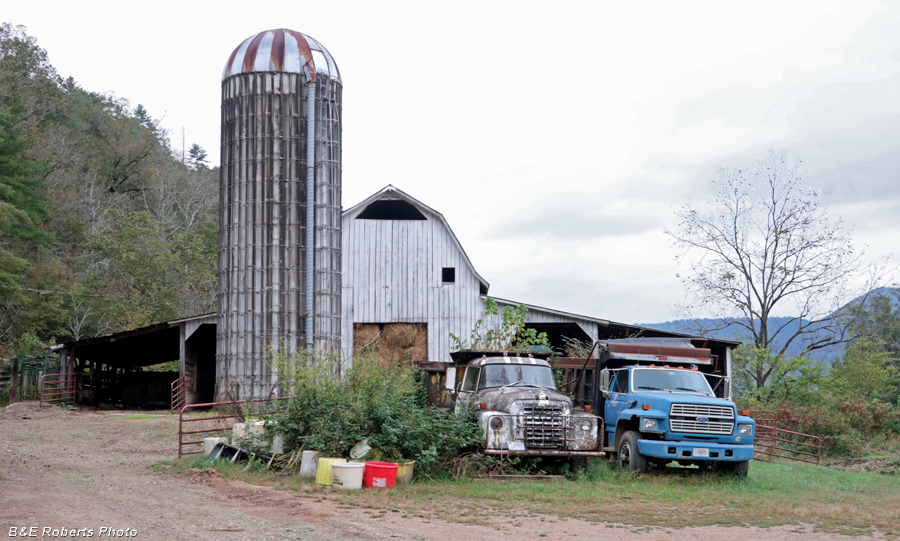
[281, 50]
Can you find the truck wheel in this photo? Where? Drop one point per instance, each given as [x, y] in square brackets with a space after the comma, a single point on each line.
[627, 454]
[738, 469]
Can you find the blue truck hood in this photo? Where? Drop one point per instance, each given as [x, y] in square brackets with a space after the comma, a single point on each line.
[662, 400]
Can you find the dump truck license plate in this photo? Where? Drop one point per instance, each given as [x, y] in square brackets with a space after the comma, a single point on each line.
[701, 453]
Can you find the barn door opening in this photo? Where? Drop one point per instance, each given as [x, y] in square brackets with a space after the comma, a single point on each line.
[200, 365]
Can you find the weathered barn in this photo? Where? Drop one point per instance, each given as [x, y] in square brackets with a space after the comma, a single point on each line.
[407, 284]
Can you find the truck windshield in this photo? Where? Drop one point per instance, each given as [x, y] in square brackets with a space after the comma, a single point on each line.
[498, 375]
[674, 381]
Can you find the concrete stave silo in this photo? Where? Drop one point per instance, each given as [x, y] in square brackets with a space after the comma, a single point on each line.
[274, 292]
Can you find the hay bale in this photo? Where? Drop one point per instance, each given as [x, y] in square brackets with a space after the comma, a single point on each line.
[364, 333]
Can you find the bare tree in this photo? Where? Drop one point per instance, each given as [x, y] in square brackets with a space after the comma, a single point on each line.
[766, 248]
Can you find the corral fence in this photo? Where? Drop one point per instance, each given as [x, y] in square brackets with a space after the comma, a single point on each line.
[220, 420]
[774, 443]
[57, 389]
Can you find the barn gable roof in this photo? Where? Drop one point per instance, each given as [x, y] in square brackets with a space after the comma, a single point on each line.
[389, 193]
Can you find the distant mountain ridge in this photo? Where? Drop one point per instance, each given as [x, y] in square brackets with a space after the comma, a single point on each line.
[734, 331]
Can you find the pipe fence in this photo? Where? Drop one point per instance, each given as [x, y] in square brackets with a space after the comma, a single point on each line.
[772, 442]
[178, 395]
[222, 421]
[57, 388]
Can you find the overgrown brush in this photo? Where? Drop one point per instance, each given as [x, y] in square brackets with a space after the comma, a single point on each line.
[849, 427]
[334, 406]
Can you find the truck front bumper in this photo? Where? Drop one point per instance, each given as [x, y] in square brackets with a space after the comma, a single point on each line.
[542, 452]
[701, 450]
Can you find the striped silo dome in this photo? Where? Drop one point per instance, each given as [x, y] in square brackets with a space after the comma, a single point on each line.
[281, 50]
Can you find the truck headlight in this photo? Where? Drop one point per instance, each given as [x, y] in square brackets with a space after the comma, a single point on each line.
[745, 430]
[496, 423]
[586, 425]
[648, 424]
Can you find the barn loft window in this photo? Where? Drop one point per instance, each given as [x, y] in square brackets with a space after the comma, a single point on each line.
[390, 210]
[448, 275]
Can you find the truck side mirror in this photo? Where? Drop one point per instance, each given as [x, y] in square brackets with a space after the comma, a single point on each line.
[605, 376]
[450, 379]
[726, 388]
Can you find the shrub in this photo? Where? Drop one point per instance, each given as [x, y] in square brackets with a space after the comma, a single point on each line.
[333, 407]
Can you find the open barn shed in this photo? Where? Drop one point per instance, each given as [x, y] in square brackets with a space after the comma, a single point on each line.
[113, 368]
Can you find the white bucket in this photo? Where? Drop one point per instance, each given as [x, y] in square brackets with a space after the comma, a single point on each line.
[259, 434]
[348, 475]
[308, 462]
[240, 430]
[209, 443]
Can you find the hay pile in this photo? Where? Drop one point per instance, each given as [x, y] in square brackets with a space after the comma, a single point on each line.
[393, 343]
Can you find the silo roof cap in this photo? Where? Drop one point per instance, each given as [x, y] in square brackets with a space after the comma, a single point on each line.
[282, 50]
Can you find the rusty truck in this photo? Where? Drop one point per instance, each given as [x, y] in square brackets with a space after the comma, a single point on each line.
[519, 408]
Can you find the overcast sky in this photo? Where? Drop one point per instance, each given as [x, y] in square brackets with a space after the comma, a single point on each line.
[555, 138]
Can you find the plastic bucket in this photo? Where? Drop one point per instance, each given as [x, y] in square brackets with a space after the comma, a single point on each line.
[405, 472]
[347, 475]
[380, 474]
[323, 470]
[308, 463]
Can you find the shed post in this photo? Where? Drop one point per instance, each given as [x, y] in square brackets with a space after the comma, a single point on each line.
[14, 380]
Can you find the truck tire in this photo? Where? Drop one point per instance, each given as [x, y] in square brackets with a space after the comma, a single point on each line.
[738, 469]
[627, 454]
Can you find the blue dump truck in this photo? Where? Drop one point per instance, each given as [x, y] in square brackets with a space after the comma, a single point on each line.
[655, 402]
[665, 401]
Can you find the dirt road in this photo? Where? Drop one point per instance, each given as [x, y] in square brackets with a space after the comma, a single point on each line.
[75, 471]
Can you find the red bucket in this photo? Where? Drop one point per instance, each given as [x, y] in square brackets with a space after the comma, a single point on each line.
[380, 474]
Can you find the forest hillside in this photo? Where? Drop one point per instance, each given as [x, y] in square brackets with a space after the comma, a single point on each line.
[103, 225]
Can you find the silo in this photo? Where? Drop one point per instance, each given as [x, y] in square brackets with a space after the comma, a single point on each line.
[280, 207]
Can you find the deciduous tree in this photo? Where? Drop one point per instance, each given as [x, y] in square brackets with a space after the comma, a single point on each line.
[765, 247]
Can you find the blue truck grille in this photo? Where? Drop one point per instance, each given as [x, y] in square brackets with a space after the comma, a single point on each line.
[701, 419]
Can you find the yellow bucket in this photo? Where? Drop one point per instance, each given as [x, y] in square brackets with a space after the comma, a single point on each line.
[323, 470]
[405, 472]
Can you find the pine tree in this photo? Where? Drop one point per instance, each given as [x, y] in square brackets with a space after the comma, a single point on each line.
[22, 203]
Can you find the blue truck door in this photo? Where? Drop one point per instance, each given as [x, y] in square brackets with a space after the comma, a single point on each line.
[615, 404]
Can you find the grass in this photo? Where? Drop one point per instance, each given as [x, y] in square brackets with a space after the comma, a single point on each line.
[774, 494]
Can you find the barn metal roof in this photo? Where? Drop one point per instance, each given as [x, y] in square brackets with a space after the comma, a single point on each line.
[281, 50]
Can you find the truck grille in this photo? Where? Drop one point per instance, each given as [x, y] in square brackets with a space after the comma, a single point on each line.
[719, 420]
[544, 426]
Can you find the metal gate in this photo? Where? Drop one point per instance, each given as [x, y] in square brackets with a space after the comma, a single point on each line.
[57, 388]
[773, 443]
[178, 394]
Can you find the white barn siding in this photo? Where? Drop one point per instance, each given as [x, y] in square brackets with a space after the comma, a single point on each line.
[393, 274]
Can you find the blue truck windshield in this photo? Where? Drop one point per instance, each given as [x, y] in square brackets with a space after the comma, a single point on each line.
[674, 381]
[498, 375]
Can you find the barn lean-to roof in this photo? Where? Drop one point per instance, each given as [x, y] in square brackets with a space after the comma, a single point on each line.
[390, 192]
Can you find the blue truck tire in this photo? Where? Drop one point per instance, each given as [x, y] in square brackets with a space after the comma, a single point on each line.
[627, 454]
